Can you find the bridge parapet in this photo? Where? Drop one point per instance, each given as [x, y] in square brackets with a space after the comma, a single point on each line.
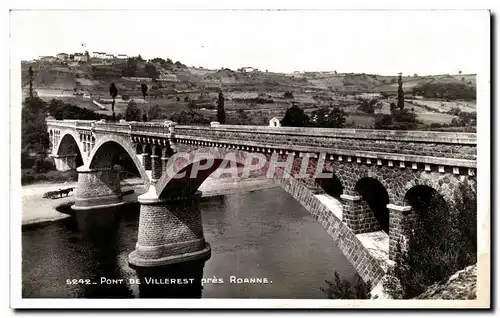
[117, 128]
[152, 129]
[441, 148]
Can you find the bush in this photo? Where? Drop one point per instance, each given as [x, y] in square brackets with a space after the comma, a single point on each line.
[132, 112]
[383, 121]
[455, 111]
[344, 289]
[29, 176]
[125, 97]
[368, 106]
[324, 118]
[288, 95]
[441, 241]
[43, 165]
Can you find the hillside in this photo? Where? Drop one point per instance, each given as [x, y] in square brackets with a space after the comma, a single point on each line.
[177, 88]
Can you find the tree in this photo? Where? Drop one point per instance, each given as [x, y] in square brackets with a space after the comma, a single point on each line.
[30, 73]
[153, 112]
[150, 69]
[401, 94]
[295, 117]
[130, 68]
[368, 106]
[393, 106]
[441, 240]
[144, 89]
[221, 114]
[383, 121]
[144, 117]
[34, 135]
[113, 91]
[139, 58]
[326, 118]
[132, 113]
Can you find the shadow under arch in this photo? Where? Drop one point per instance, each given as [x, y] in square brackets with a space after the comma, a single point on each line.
[175, 186]
[424, 200]
[375, 195]
[110, 151]
[68, 145]
[332, 186]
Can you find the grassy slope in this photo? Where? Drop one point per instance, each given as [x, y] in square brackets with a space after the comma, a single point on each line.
[311, 90]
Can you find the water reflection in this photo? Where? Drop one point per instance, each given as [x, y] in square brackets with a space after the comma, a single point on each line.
[174, 281]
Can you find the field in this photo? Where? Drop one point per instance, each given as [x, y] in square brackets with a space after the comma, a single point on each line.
[257, 93]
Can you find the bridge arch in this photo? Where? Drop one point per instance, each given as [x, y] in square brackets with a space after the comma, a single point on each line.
[168, 186]
[104, 152]
[332, 186]
[173, 186]
[68, 144]
[376, 197]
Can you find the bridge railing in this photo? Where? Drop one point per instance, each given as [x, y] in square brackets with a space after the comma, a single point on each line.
[418, 146]
[122, 128]
[371, 134]
[157, 129]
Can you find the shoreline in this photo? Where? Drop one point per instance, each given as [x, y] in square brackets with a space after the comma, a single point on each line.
[42, 211]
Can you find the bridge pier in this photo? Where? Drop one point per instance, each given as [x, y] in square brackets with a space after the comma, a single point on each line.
[399, 219]
[170, 231]
[65, 162]
[357, 215]
[97, 188]
[156, 163]
[146, 157]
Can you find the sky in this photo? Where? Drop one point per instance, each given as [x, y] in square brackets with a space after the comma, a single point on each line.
[373, 42]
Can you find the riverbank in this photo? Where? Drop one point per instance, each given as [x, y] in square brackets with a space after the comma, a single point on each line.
[38, 210]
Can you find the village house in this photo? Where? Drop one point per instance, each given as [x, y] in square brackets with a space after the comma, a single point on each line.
[49, 59]
[62, 56]
[80, 57]
[98, 55]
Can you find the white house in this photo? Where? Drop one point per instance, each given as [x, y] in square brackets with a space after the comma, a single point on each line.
[47, 58]
[109, 56]
[62, 56]
[274, 122]
[79, 57]
[98, 55]
[122, 56]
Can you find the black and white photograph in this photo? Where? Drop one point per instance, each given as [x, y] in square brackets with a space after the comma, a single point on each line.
[191, 158]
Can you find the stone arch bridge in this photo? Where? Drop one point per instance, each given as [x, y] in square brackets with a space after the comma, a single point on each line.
[373, 174]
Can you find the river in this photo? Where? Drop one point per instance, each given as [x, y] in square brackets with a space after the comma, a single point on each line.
[262, 234]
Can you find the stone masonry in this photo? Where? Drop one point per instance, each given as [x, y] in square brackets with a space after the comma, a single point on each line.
[170, 231]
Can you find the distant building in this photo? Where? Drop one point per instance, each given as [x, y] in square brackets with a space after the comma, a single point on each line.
[98, 55]
[122, 56]
[79, 57]
[248, 69]
[109, 56]
[62, 56]
[47, 58]
[167, 77]
[274, 122]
